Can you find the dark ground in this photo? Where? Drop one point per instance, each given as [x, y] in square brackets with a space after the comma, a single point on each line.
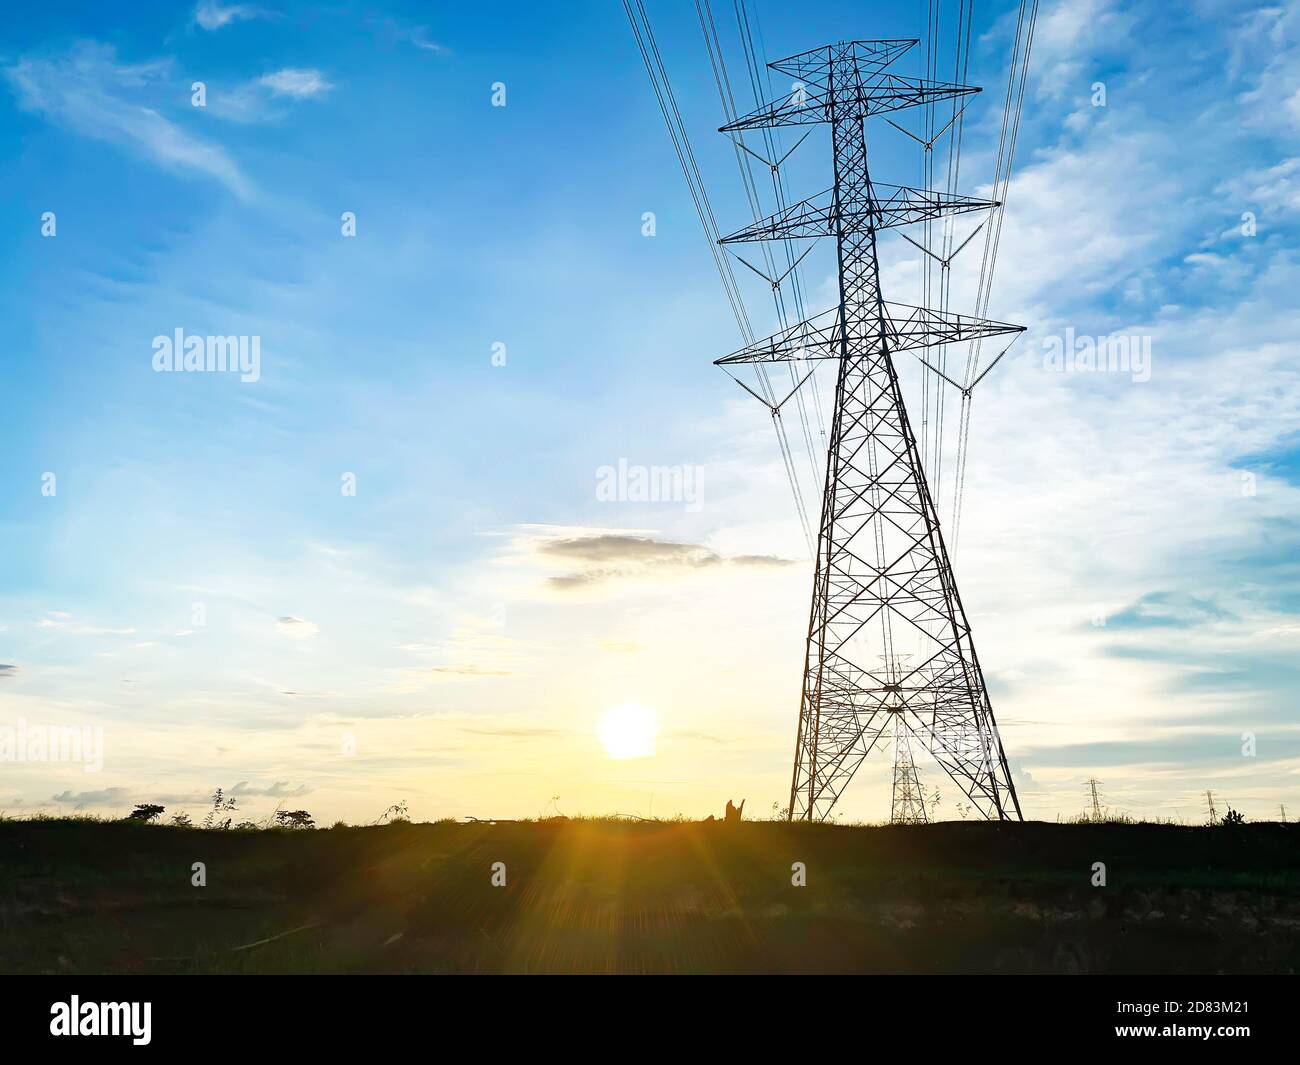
[611, 896]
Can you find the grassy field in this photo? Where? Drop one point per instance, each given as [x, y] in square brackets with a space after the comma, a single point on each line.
[613, 896]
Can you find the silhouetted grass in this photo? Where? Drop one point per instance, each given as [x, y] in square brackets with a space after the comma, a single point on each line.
[616, 895]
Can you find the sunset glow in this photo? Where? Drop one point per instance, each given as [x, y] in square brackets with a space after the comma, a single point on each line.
[629, 731]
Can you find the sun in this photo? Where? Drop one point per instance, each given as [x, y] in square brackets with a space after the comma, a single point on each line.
[629, 731]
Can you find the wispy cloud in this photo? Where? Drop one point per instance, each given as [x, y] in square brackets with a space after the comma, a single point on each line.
[619, 647]
[296, 82]
[600, 557]
[515, 731]
[1167, 610]
[102, 797]
[279, 790]
[89, 92]
[1067, 37]
[419, 36]
[1272, 33]
[1276, 187]
[257, 100]
[297, 628]
[210, 16]
[64, 623]
[418, 679]
[470, 671]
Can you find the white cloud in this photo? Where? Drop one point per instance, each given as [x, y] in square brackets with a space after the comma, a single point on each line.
[58, 619]
[594, 558]
[1066, 38]
[278, 790]
[255, 100]
[210, 15]
[90, 93]
[1272, 188]
[102, 797]
[419, 36]
[1271, 34]
[296, 82]
[297, 628]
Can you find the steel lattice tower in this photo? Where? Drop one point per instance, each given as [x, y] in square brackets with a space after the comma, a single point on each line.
[884, 591]
[908, 801]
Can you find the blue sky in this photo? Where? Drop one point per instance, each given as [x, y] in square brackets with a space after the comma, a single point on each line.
[1128, 549]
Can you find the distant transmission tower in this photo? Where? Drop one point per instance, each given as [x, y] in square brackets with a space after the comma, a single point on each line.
[908, 806]
[1209, 801]
[1096, 799]
[884, 586]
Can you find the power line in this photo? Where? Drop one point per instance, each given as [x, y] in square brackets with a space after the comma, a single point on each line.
[961, 70]
[685, 156]
[772, 143]
[662, 88]
[1016, 78]
[717, 62]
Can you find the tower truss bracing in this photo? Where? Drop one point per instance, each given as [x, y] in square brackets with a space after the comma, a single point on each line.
[889, 648]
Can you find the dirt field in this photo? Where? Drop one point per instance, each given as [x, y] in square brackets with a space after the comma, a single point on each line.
[612, 896]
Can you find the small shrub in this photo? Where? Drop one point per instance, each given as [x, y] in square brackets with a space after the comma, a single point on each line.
[146, 812]
[220, 805]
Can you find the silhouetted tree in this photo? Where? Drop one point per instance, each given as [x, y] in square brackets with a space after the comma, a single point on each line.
[146, 812]
[294, 819]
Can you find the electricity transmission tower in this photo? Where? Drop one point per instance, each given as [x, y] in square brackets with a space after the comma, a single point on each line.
[1209, 802]
[1096, 799]
[908, 805]
[884, 588]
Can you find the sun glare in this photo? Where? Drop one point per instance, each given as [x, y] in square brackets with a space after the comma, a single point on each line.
[629, 731]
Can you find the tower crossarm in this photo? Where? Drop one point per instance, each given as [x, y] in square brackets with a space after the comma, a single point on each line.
[813, 217]
[887, 206]
[906, 328]
[877, 94]
[897, 205]
[814, 65]
[924, 327]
